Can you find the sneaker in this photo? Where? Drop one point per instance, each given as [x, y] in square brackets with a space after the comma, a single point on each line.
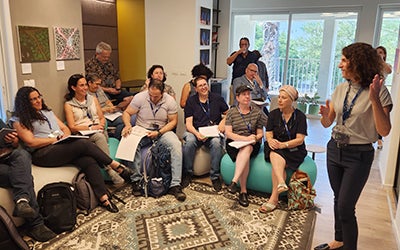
[136, 188]
[115, 177]
[41, 233]
[186, 180]
[177, 192]
[217, 184]
[24, 210]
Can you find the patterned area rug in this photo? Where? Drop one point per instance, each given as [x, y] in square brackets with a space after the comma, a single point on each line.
[206, 220]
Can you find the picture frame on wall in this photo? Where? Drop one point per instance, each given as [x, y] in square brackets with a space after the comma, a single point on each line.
[205, 16]
[67, 43]
[205, 56]
[33, 44]
[205, 37]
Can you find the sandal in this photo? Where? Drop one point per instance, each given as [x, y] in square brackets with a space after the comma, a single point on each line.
[282, 187]
[111, 207]
[267, 207]
[126, 173]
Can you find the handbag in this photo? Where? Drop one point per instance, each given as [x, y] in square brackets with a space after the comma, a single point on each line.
[301, 194]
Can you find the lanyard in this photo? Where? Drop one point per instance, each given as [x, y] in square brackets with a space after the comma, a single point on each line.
[47, 120]
[286, 126]
[248, 123]
[207, 112]
[347, 110]
[154, 111]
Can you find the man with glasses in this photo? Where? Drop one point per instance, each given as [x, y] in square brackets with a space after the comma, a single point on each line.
[101, 65]
[204, 109]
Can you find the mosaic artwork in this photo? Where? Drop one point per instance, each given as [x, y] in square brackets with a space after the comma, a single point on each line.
[67, 43]
[33, 44]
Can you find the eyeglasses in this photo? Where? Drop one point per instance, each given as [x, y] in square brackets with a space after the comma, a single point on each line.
[34, 99]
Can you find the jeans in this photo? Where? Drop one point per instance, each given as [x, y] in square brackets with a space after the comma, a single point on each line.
[172, 142]
[348, 171]
[191, 143]
[16, 172]
[118, 124]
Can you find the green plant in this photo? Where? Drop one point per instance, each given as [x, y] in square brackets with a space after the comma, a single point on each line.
[312, 99]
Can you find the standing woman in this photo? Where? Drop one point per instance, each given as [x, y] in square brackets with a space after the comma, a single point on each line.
[243, 123]
[285, 148]
[83, 112]
[39, 128]
[349, 152]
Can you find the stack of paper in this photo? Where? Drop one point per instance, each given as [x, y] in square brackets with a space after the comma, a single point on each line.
[240, 144]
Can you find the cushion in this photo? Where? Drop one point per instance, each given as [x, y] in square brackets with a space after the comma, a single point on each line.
[259, 178]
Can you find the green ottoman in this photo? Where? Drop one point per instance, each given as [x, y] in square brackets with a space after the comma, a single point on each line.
[259, 178]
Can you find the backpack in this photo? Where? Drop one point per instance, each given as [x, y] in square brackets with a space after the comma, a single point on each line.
[85, 198]
[157, 174]
[10, 239]
[57, 205]
[301, 194]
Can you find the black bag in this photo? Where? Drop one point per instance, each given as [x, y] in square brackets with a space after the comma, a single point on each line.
[10, 239]
[157, 174]
[85, 198]
[57, 204]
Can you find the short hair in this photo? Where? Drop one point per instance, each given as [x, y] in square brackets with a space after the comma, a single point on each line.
[154, 67]
[101, 46]
[155, 83]
[245, 39]
[92, 77]
[196, 79]
[384, 51]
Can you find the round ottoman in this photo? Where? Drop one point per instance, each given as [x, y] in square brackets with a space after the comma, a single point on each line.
[202, 161]
[259, 178]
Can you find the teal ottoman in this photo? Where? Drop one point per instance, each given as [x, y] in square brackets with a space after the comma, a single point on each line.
[259, 178]
[113, 146]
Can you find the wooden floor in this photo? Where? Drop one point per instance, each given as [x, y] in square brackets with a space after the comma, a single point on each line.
[373, 213]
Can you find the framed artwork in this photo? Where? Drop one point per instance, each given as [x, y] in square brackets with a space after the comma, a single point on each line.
[67, 43]
[204, 37]
[33, 44]
[205, 56]
[205, 16]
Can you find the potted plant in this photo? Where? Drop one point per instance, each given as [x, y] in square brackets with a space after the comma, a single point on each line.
[302, 104]
[313, 105]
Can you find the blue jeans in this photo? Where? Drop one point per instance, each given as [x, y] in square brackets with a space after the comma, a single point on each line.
[16, 173]
[172, 142]
[118, 124]
[191, 143]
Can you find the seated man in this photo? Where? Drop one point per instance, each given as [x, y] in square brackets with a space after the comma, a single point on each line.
[253, 80]
[15, 173]
[201, 110]
[101, 65]
[158, 112]
[106, 105]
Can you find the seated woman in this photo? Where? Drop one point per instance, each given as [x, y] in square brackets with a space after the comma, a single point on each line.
[243, 123]
[83, 112]
[285, 148]
[39, 128]
[106, 105]
[188, 88]
[157, 72]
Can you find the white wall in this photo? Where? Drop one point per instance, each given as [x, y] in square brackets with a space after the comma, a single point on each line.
[172, 40]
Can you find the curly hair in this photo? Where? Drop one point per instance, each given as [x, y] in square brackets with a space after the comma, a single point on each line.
[364, 62]
[154, 67]
[24, 110]
[201, 70]
[72, 81]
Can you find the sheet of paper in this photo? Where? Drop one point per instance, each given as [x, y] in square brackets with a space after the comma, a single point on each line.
[240, 144]
[89, 132]
[209, 131]
[128, 144]
[112, 116]
[60, 65]
[71, 137]
[26, 68]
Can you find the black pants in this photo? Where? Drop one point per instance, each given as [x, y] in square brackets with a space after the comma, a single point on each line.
[79, 152]
[348, 169]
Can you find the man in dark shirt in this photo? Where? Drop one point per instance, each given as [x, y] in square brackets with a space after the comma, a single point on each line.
[203, 109]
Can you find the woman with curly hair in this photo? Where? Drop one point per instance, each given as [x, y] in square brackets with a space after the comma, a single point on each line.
[157, 72]
[40, 129]
[350, 152]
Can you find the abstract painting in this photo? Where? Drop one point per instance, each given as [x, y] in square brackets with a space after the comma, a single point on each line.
[67, 43]
[33, 44]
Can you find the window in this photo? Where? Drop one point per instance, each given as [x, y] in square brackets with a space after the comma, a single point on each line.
[300, 49]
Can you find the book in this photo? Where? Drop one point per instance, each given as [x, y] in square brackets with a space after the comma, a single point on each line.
[209, 131]
[71, 137]
[240, 144]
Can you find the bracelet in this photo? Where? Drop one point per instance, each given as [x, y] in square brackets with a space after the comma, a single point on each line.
[159, 133]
